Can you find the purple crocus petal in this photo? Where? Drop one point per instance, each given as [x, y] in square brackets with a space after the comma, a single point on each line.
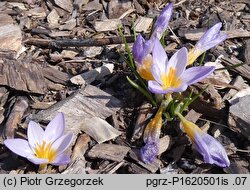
[155, 87]
[196, 74]
[55, 128]
[35, 134]
[209, 35]
[178, 61]
[61, 159]
[162, 21]
[149, 152]
[211, 38]
[61, 144]
[19, 146]
[211, 150]
[159, 55]
[141, 49]
[181, 88]
[214, 42]
[156, 72]
[37, 161]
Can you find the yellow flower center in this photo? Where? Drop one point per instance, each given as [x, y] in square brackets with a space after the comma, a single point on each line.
[44, 151]
[145, 69]
[170, 80]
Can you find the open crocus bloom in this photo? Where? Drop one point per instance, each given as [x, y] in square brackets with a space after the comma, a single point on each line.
[142, 48]
[211, 149]
[210, 38]
[151, 138]
[172, 76]
[43, 147]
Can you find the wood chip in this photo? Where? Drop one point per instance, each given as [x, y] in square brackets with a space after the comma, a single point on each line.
[5, 19]
[238, 95]
[99, 129]
[221, 75]
[55, 75]
[93, 5]
[142, 24]
[42, 105]
[165, 143]
[92, 75]
[24, 77]
[68, 54]
[64, 4]
[37, 13]
[193, 116]
[15, 116]
[116, 8]
[68, 25]
[237, 82]
[87, 103]
[53, 19]
[92, 51]
[247, 51]
[4, 93]
[195, 36]
[107, 25]
[10, 36]
[239, 116]
[78, 162]
[109, 152]
[243, 70]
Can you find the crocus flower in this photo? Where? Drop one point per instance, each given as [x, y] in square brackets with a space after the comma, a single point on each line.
[211, 149]
[172, 75]
[142, 48]
[142, 57]
[149, 152]
[151, 138]
[210, 38]
[162, 21]
[43, 147]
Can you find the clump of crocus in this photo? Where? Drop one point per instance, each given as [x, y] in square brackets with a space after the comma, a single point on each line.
[151, 137]
[211, 149]
[43, 147]
[142, 48]
[210, 38]
[171, 75]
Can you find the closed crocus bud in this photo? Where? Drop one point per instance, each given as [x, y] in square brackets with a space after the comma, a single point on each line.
[151, 137]
[149, 152]
[142, 56]
[162, 21]
[211, 149]
[210, 38]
